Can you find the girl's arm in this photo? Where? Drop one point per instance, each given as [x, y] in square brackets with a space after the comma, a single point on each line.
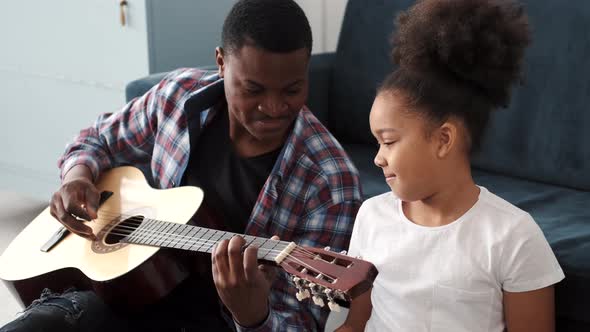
[530, 311]
[358, 315]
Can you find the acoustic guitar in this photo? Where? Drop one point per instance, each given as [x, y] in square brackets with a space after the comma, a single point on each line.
[129, 264]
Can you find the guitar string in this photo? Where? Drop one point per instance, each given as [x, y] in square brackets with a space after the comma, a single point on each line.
[179, 236]
[201, 242]
[289, 257]
[131, 218]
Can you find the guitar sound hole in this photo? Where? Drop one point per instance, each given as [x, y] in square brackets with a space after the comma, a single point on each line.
[123, 229]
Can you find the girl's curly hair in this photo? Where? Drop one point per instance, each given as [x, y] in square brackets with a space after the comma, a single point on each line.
[459, 58]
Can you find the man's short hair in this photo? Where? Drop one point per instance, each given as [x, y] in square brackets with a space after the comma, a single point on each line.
[273, 25]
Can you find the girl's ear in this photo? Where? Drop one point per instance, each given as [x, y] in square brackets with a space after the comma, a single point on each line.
[446, 138]
[220, 61]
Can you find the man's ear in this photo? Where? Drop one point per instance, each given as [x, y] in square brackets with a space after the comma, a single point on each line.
[446, 138]
[220, 61]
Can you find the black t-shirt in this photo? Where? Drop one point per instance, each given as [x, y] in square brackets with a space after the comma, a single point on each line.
[231, 183]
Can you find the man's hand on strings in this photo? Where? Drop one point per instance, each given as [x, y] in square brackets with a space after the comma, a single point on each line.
[242, 284]
[77, 197]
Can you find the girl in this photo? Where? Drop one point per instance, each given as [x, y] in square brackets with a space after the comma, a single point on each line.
[451, 255]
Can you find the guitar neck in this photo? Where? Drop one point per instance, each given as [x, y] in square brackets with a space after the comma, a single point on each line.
[159, 233]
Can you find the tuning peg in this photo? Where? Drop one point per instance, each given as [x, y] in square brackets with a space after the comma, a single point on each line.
[297, 281]
[302, 294]
[318, 300]
[333, 306]
[327, 248]
[313, 287]
[343, 252]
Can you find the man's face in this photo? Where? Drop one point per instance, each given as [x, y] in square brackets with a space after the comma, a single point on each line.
[265, 92]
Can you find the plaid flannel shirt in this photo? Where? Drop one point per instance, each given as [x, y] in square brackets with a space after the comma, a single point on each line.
[311, 196]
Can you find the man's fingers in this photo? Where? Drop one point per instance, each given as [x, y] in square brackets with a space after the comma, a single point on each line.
[92, 201]
[80, 198]
[74, 202]
[251, 263]
[73, 225]
[219, 259]
[236, 259]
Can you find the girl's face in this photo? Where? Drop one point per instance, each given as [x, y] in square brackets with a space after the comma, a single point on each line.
[407, 155]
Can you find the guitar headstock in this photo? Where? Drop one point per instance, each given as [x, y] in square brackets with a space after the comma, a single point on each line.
[325, 275]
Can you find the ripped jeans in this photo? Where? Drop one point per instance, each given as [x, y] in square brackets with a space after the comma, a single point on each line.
[85, 311]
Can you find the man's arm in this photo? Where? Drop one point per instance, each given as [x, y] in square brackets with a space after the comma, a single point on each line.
[124, 137]
[358, 314]
[530, 311]
[288, 314]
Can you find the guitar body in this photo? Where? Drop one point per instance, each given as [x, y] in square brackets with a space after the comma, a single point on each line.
[127, 276]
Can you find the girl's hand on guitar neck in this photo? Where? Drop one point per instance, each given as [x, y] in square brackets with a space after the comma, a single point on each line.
[77, 197]
[242, 284]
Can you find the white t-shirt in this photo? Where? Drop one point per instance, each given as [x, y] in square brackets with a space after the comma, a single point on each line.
[450, 278]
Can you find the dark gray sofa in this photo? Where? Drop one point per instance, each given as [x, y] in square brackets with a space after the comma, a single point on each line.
[536, 153]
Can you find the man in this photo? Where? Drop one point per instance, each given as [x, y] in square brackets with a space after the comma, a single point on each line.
[266, 164]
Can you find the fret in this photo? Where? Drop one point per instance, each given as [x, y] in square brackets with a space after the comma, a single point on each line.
[131, 236]
[159, 239]
[259, 242]
[262, 248]
[181, 236]
[216, 238]
[198, 236]
[249, 240]
[226, 236]
[194, 238]
[269, 250]
[138, 235]
[173, 236]
[205, 239]
[191, 237]
[190, 230]
[151, 233]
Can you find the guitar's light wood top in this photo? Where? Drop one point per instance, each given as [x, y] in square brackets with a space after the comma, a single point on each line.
[23, 258]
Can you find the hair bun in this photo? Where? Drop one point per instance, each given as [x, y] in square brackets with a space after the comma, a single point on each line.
[475, 43]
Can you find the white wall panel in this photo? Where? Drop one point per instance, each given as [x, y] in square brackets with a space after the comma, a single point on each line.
[325, 18]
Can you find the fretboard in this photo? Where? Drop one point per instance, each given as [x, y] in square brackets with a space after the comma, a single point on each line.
[159, 233]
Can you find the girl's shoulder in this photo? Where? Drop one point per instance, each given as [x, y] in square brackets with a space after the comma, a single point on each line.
[383, 201]
[501, 210]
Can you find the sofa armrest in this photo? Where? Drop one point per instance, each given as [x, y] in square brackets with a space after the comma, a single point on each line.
[140, 86]
[320, 82]
[320, 76]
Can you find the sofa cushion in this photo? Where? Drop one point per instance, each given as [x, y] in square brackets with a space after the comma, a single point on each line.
[544, 134]
[372, 180]
[362, 62]
[564, 217]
